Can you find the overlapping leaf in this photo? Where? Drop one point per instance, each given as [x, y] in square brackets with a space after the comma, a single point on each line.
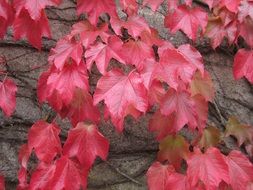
[85, 143]
[128, 92]
[8, 91]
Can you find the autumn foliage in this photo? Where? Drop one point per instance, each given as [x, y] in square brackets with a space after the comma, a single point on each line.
[150, 74]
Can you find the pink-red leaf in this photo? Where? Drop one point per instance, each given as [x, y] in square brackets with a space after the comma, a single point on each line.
[68, 175]
[188, 20]
[95, 8]
[33, 30]
[210, 168]
[2, 183]
[6, 16]
[128, 92]
[44, 139]
[8, 91]
[85, 143]
[101, 54]
[240, 170]
[66, 48]
[243, 64]
[164, 177]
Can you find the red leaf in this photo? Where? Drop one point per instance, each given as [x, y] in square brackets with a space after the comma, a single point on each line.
[23, 156]
[216, 31]
[66, 48]
[34, 7]
[6, 16]
[164, 177]
[101, 54]
[183, 107]
[135, 25]
[175, 66]
[68, 175]
[44, 139]
[89, 33]
[153, 4]
[245, 9]
[202, 85]
[135, 52]
[85, 143]
[128, 92]
[187, 20]
[95, 8]
[66, 81]
[2, 183]
[246, 28]
[33, 30]
[162, 125]
[243, 65]
[22, 179]
[8, 91]
[209, 168]
[232, 5]
[173, 149]
[240, 170]
[41, 177]
[129, 6]
[81, 108]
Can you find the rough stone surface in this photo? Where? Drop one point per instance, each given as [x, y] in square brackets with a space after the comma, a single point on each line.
[131, 152]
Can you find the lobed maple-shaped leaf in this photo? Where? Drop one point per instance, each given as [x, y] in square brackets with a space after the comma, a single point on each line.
[63, 83]
[95, 8]
[245, 10]
[154, 87]
[135, 52]
[243, 65]
[101, 54]
[202, 85]
[240, 170]
[153, 4]
[2, 182]
[135, 25]
[216, 31]
[189, 20]
[210, 137]
[152, 38]
[176, 66]
[231, 5]
[23, 155]
[66, 48]
[164, 177]
[22, 179]
[6, 16]
[33, 30]
[44, 139]
[173, 149]
[245, 31]
[243, 133]
[85, 143]
[81, 108]
[122, 94]
[34, 7]
[88, 33]
[129, 6]
[212, 3]
[182, 106]
[41, 177]
[162, 125]
[68, 175]
[8, 91]
[210, 168]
